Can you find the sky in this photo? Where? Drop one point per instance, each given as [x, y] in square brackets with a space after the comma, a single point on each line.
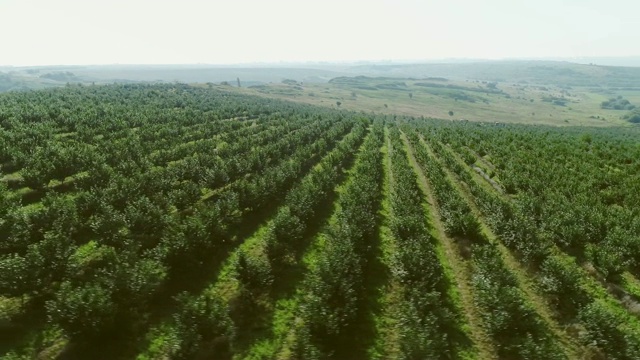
[69, 32]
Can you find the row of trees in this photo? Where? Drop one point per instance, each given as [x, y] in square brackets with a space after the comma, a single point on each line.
[429, 324]
[286, 232]
[98, 259]
[204, 325]
[576, 297]
[31, 120]
[335, 287]
[555, 174]
[455, 213]
[244, 149]
[509, 318]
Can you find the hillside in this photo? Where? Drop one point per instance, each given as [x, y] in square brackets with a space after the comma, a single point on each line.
[466, 100]
[533, 72]
[532, 92]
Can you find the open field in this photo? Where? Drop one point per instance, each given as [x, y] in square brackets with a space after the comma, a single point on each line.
[532, 92]
[468, 100]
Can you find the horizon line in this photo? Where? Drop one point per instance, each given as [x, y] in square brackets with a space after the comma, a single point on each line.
[343, 62]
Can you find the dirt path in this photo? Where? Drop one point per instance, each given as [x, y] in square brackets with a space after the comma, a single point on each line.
[454, 265]
[526, 284]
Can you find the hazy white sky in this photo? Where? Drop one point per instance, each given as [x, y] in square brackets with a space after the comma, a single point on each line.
[42, 32]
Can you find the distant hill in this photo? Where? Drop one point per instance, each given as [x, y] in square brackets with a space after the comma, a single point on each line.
[536, 72]
[609, 61]
[524, 72]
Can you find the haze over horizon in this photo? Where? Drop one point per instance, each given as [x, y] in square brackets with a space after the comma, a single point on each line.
[69, 32]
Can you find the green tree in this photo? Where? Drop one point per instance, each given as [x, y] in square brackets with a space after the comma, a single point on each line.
[204, 328]
[83, 311]
[633, 116]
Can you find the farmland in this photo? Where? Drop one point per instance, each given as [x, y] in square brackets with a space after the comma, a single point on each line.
[172, 221]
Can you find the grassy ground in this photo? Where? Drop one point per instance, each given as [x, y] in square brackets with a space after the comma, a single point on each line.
[467, 100]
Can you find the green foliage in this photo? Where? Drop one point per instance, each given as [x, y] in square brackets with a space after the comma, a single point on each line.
[559, 101]
[633, 116]
[561, 281]
[335, 284]
[285, 229]
[14, 274]
[419, 335]
[334, 290]
[607, 258]
[567, 189]
[617, 103]
[156, 182]
[204, 328]
[119, 197]
[143, 280]
[455, 213]
[253, 274]
[606, 330]
[468, 157]
[426, 319]
[83, 311]
[509, 319]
